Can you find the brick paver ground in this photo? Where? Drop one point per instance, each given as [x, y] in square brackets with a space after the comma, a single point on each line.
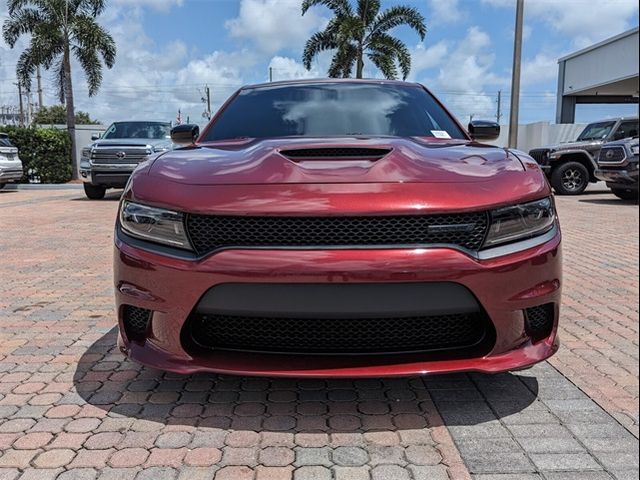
[72, 407]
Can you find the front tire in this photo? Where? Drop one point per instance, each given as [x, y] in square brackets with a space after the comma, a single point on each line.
[625, 194]
[94, 192]
[570, 178]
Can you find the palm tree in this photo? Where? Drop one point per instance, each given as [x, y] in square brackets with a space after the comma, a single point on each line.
[58, 29]
[364, 32]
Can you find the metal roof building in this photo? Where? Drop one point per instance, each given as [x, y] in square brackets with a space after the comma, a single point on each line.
[606, 72]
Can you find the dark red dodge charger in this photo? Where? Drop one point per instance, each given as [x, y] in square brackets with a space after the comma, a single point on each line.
[337, 228]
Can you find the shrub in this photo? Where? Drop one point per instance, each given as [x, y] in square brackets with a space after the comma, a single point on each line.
[45, 153]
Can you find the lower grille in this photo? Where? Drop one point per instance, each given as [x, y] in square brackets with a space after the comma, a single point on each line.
[136, 321]
[539, 321]
[338, 335]
[212, 232]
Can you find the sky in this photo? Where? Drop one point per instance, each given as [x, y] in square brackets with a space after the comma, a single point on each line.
[168, 50]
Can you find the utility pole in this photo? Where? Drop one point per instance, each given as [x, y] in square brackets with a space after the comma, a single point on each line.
[207, 101]
[499, 107]
[515, 76]
[21, 118]
[270, 74]
[39, 78]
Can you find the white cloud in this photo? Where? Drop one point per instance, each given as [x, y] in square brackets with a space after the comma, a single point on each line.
[465, 74]
[584, 21]
[444, 12]
[161, 5]
[285, 68]
[538, 69]
[423, 58]
[273, 24]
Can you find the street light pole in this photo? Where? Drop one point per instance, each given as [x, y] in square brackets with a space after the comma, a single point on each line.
[515, 77]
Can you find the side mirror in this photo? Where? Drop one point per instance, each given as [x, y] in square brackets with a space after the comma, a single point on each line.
[484, 130]
[185, 134]
[95, 136]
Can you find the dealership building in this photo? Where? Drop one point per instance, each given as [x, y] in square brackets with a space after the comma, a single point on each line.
[606, 72]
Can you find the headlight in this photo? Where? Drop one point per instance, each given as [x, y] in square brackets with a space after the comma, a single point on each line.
[86, 152]
[635, 149]
[159, 149]
[154, 224]
[520, 221]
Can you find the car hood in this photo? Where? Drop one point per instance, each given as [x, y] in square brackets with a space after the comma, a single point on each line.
[132, 142]
[582, 145]
[409, 160]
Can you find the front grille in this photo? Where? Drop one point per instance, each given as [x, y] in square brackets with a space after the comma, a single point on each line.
[135, 321]
[540, 155]
[114, 155]
[336, 153]
[539, 321]
[338, 335]
[213, 232]
[611, 155]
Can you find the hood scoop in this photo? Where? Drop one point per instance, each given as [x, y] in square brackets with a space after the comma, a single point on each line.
[335, 153]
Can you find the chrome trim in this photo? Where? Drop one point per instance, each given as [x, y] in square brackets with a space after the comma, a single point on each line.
[112, 166]
[515, 247]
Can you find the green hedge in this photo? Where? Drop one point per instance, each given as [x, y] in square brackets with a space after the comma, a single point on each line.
[45, 153]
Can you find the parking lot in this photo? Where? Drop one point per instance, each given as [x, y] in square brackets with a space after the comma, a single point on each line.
[71, 407]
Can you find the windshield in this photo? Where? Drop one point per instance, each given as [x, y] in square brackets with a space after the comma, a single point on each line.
[5, 142]
[153, 130]
[334, 109]
[596, 131]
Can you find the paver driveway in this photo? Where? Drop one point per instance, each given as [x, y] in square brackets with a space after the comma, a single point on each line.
[72, 407]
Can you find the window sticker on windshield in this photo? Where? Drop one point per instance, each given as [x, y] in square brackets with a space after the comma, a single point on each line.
[440, 134]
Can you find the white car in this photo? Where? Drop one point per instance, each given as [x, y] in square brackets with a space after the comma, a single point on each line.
[10, 164]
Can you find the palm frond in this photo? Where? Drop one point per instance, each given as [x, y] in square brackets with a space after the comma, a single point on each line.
[368, 10]
[341, 8]
[318, 42]
[393, 48]
[384, 63]
[22, 21]
[89, 35]
[399, 15]
[90, 63]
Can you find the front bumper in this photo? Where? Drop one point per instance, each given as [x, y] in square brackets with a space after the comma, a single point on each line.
[171, 287]
[618, 178]
[108, 175]
[10, 175]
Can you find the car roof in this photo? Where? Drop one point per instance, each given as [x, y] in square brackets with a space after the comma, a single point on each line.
[615, 119]
[315, 81]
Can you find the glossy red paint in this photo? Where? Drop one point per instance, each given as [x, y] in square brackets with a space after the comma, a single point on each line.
[419, 175]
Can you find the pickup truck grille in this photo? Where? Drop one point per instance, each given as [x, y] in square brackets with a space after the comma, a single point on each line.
[611, 156]
[214, 232]
[118, 155]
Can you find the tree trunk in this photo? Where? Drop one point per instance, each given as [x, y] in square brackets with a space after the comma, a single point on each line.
[71, 114]
[360, 66]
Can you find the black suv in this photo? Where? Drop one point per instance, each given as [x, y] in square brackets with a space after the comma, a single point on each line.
[618, 166]
[571, 166]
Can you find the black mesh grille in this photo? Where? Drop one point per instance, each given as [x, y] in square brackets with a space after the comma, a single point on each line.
[344, 152]
[208, 232]
[338, 335]
[540, 155]
[611, 155]
[135, 321]
[539, 320]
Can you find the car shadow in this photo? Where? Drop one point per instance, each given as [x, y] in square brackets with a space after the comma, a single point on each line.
[122, 388]
[111, 195]
[610, 201]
